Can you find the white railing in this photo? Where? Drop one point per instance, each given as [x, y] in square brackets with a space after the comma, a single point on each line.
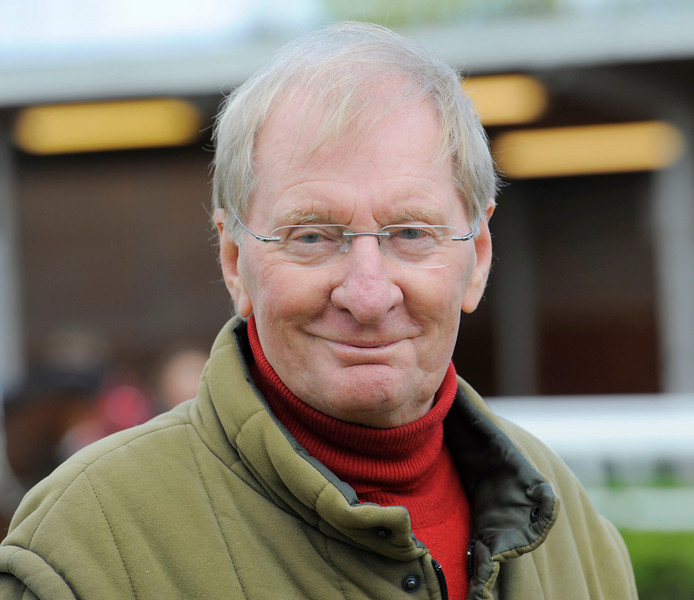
[635, 454]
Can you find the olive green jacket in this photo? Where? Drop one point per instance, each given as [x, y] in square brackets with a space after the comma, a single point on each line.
[216, 500]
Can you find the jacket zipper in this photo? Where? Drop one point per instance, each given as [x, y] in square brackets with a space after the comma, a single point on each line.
[438, 569]
[471, 559]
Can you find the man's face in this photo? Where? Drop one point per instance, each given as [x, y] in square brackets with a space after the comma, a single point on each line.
[364, 340]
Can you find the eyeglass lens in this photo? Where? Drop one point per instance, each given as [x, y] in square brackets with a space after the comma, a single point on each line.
[412, 245]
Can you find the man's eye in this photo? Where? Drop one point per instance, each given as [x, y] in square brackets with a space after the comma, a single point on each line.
[310, 237]
[412, 233]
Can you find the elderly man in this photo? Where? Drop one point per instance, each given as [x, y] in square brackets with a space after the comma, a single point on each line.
[331, 452]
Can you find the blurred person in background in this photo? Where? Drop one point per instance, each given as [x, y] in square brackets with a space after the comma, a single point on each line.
[73, 396]
[57, 393]
[37, 415]
[332, 451]
[177, 375]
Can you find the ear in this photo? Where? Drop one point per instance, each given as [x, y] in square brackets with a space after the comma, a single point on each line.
[483, 262]
[229, 259]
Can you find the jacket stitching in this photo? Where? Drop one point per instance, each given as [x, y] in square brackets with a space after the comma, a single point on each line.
[136, 436]
[211, 504]
[27, 592]
[113, 536]
[10, 570]
[326, 540]
[329, 558]
[85, 465]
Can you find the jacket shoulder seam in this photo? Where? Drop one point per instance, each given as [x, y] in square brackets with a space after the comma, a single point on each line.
[81, 468]
[113, 536]
[216, 518]
[89, 463]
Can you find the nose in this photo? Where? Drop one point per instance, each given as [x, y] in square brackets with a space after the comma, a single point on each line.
[366, 288]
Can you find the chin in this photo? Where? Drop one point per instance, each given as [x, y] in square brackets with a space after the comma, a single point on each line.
[376, 410]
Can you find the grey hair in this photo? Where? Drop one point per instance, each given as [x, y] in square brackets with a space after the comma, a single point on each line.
[338, 70]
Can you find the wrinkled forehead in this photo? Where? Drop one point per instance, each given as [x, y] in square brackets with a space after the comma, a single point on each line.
[386, 162]
[313, 116]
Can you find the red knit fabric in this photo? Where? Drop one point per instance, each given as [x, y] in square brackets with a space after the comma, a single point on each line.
[408, 466]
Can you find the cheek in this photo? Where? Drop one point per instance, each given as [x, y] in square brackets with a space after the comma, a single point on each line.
[436, 310]
[438, 301]
[280, 295]
[261, 278]
[439, 295]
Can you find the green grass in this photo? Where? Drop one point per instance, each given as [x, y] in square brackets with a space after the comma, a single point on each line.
[663, 563]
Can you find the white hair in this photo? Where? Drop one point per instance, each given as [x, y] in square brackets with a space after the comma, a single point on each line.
[340, 70]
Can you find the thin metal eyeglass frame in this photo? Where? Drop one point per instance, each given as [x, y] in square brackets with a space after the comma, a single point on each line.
[353, 234]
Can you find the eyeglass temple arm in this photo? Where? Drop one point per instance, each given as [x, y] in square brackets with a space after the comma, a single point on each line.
[261, 238]
[468, 236]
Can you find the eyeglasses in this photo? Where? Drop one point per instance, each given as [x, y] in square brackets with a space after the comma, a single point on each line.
[314, 246]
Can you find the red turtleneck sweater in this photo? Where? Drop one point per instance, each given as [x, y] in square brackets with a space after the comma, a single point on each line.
[408, 466]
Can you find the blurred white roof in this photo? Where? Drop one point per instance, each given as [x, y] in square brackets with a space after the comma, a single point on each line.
[208, 58]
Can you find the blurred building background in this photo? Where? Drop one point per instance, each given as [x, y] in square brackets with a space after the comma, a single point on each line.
[105, 120]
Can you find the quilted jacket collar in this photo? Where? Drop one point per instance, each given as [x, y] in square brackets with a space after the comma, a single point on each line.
[513, 506]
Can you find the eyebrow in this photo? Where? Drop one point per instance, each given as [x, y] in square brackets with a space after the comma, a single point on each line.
[302, 216]
[410, 215]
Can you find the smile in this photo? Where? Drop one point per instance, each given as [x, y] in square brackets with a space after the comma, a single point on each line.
[364, 352]
[363, 345]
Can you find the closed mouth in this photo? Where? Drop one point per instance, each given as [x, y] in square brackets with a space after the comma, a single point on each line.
[366, 345]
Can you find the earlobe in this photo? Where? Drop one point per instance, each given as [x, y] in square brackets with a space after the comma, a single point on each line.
[229, 260]
[483, 262]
